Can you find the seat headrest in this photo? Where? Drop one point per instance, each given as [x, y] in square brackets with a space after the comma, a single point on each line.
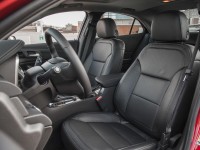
[106, 28]
[170, 26]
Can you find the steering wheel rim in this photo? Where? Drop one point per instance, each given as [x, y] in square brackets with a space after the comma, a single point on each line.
[72, 56]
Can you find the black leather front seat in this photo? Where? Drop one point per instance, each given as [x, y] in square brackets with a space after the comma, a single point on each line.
[107, 54]
[144, 98]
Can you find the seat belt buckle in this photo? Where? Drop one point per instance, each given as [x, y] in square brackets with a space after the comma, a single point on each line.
[188, 72]
[164, 142]
[99, 98]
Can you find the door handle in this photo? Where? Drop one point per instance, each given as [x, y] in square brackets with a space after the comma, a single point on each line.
[33, 54]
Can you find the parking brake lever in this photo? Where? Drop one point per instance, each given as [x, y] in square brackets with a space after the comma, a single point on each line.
[43, 78]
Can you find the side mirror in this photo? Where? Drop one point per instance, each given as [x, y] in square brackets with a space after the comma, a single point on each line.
[12, 37]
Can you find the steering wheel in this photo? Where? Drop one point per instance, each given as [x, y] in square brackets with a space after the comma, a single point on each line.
[71, 55]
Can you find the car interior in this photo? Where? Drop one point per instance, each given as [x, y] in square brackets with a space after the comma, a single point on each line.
[104, 90]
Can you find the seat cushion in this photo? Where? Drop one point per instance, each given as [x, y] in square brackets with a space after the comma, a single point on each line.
[103, 131]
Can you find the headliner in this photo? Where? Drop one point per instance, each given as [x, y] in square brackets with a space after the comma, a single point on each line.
[118, 5]
[143, 10]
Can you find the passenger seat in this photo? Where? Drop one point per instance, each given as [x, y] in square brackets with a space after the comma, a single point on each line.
[146, 96]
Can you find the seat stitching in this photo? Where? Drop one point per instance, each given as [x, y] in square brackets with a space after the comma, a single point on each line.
[141, 123]
[68, 134]
[135, 84]
[117, 131]
[100, 135]
[75, 143]
[179, 47]
[173, 49]
[109, 57]
[156, 77]
[99, 61]
[173, 96]
[98, 113]
[146, 137]
[140, 148]
[145, 99]
[78, 136]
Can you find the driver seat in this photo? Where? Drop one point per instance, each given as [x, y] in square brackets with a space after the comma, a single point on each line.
[107, 54]
[144, 98]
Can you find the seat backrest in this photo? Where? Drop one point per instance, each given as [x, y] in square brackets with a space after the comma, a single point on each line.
[145, 95]
[107, 54]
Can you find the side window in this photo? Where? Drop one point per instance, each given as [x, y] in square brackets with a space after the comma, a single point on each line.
[193, 19]
[68, 23]
[126, 25]
[137, 27]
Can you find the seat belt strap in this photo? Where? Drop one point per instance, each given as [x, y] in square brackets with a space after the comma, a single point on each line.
[165, 138]
[89, 42]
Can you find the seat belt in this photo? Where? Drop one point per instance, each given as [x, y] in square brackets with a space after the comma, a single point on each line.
[144, 41]
[165, 138]
[89, 41]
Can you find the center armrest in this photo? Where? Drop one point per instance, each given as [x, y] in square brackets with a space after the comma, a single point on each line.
[109, 80]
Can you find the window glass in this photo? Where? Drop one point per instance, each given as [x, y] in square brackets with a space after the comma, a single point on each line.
[68, 23]
[193, 19]
[124, 23]
[137, 28]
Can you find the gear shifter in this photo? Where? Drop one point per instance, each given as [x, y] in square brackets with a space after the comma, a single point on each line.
[43, 78]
